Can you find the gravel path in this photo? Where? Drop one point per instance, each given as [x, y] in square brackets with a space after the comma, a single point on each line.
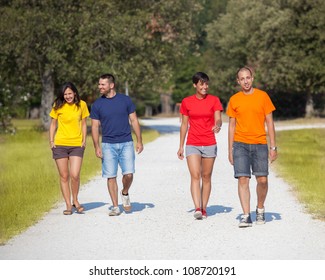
[162, 227]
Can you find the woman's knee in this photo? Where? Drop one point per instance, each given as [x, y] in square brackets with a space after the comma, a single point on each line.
[206, 177]
[75, 177]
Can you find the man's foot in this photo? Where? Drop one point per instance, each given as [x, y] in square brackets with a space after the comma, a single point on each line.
[198, 214]
[245, 221]
[126, 202]
[204, 214]
[115, 211]
[260, 216]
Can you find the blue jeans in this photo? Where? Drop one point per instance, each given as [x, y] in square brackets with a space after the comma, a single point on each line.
[117, 154]
[250, 159]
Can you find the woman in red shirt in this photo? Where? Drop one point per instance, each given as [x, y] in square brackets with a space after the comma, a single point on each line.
[201, 119]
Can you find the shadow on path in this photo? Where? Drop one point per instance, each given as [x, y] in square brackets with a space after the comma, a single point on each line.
[93, 205]
[163, 128]
[138, 207]
[269, 216]
[215, 209]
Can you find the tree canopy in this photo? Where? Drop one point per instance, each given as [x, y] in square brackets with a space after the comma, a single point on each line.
[46, 42]
[282, 40]
[155, 46]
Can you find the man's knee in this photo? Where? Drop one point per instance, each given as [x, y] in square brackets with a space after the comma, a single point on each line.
[262, 181]
[243, 180]
[128, 176]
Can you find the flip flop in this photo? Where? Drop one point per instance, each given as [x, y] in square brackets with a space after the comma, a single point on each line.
[80, 209]
[67, 212]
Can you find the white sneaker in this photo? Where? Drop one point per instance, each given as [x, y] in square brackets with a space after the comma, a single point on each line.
[126, 202]
[198, 214]
[260, 216]
[115, 211]
[245, 221]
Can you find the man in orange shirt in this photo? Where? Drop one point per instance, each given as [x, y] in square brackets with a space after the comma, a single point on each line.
[249, 110]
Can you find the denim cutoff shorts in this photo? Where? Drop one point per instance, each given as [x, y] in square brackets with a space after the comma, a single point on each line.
[250, 159]
[203, 151]
[117, 154]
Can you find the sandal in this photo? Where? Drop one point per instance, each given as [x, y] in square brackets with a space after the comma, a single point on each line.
[67, 212]
[80, 209]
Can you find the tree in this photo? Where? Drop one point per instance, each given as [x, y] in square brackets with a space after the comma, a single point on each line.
[55, 40]
[282, 40]
[37, 39]
[193, 61]
[5, 104]
[292, 49]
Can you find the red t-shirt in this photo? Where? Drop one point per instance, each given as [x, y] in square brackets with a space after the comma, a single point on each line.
[201, 119]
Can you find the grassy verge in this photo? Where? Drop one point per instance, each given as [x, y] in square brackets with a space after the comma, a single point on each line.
[301, 163]
[29, 181]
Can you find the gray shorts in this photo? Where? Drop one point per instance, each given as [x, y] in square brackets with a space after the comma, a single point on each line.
[250, 159]
[203, 151]
[67, 151]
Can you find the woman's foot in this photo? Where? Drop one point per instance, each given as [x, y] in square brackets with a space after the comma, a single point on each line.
[204, 214]
[67, 212]
[198, 214]
[79, 208]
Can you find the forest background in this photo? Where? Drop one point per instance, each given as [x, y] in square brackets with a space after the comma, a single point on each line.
[154, 47]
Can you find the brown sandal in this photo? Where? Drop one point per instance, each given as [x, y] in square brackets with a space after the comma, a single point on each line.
[80, 209]
[67, 212]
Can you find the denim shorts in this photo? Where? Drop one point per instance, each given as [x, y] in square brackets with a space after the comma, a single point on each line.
[117, 154]
[67, 151]
[250, 159]
[203, 151]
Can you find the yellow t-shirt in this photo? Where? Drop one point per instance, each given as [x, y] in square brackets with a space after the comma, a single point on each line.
[69, 116]
[250, 112]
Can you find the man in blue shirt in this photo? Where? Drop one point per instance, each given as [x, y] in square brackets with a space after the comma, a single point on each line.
[114, 112]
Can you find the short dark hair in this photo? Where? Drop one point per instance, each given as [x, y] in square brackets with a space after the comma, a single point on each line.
[244, 68]
[200, 76]
[109, 77]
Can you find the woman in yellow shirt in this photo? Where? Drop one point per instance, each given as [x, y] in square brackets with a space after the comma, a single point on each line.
[68, 131]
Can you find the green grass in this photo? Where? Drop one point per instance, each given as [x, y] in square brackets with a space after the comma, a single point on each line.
[22, 124]
[301, 163]
[29, 180]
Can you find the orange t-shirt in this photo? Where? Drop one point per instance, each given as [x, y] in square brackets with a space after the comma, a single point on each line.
[250, 110]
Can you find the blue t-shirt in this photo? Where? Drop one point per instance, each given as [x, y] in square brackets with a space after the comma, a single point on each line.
[113, 114]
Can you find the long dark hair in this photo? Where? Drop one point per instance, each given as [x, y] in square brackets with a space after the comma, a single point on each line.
[60, 101]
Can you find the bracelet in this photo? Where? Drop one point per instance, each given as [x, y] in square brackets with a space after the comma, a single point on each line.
[275, 148]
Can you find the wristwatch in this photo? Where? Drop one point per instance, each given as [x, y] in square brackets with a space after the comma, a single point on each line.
[275, 148]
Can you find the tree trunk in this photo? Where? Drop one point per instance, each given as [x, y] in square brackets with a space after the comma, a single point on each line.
[148, 111]
[310, 111]
[47, 98]
[165, 100]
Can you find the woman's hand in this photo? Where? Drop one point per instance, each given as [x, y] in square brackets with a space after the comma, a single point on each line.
[180, 153]
[216, 129]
